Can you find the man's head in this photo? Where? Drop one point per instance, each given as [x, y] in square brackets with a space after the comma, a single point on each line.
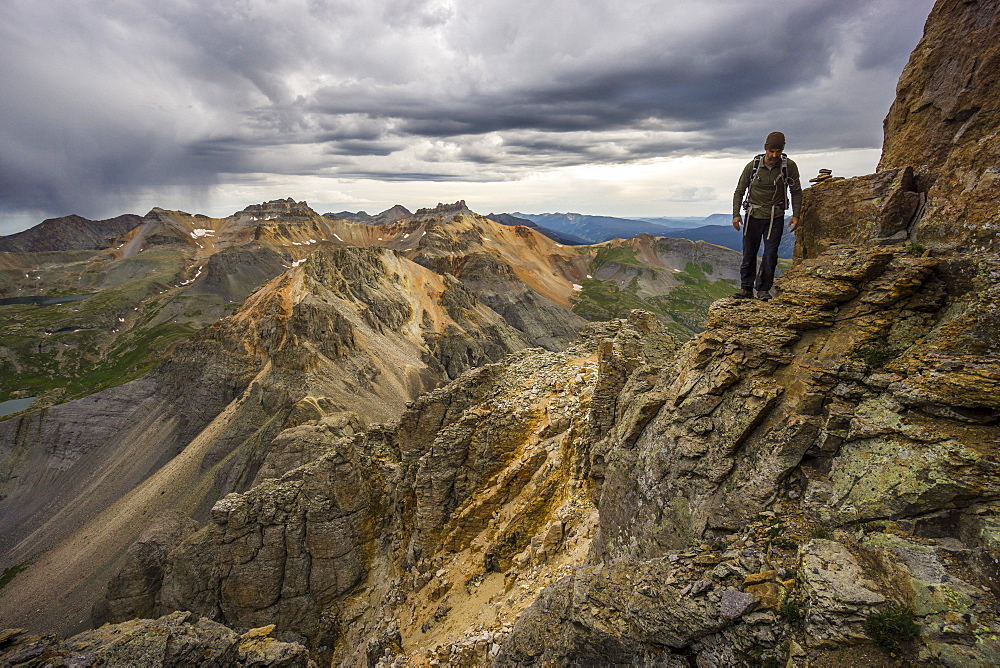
[773, 147]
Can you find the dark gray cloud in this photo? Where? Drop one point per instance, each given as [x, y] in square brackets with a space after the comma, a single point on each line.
[103, 100]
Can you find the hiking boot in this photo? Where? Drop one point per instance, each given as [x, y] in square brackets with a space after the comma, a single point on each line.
[744, 294]
[763, 295]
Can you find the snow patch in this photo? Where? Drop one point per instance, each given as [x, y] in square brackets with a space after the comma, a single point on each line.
[192, 279]
[338, 238]
[201, 232]
[298, 262]
[577, 288]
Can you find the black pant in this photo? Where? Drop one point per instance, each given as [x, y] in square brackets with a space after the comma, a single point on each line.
[757, 228]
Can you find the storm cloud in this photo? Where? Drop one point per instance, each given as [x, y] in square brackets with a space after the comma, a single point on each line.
[104, 100]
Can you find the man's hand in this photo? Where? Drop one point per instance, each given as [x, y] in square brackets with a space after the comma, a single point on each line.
[736, 222]
[793, 222]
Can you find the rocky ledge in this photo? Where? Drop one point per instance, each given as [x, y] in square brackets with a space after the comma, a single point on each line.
[800, 471]
[177, 639]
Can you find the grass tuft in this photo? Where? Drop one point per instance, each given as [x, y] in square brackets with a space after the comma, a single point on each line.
[791, 611]
[890, 626]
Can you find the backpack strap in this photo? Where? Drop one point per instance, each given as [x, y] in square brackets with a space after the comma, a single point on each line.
[753, 174]
[784, 182]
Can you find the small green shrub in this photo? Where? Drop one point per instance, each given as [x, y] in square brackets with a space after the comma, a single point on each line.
[792, 611]
[875, 527]
[820, 532]
[9, 573]
[915, 249]
[876, 356]
[890, 626]
[785, 544]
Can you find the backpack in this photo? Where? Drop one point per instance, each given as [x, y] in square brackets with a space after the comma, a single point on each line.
[784, 181]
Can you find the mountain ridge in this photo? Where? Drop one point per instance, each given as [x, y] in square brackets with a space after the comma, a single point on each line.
[250, 341]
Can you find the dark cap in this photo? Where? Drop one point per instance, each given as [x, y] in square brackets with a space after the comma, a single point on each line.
[775, 140]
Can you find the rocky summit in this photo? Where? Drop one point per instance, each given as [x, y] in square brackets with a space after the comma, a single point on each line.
[396, 440]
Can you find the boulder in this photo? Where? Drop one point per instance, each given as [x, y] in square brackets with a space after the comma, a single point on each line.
[178, 639]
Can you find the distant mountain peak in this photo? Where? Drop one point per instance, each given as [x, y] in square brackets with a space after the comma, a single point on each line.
[279, 207]
[445, 208]
[71, 232]
[393, 214]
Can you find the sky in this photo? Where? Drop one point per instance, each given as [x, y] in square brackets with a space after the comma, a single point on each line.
[621, 108]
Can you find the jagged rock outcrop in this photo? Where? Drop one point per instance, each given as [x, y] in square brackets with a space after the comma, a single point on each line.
[878, 208]
[444, 208]
[484, 476]
[943, 124]
[132, 592]
[287, 209]
[835, 359]
[827, 398]
[177, 639]
[945, 98]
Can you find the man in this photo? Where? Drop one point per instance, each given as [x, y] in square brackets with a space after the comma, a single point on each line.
[767, 200]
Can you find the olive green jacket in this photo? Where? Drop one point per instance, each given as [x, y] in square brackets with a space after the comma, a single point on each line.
[767, 190]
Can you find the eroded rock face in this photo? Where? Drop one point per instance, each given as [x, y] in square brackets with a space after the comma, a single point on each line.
[944, 123]
[132, 592]
[371, 545]
[877, 208]
[627, 613]
[821, 390]
[937, 182]
[282, 552]
[946, 97]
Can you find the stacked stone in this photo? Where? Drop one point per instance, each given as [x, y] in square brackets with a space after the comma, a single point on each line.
[824, 175]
